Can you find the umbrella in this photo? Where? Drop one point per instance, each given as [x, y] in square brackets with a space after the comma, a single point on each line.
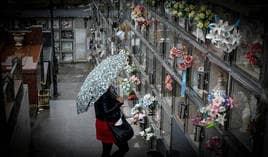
[99, 80]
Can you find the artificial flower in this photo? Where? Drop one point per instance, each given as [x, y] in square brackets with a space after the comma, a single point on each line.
[202, 15]
[230, 102]
[221, 119]
[214, 144]
[174, 52]
[132, 96]
[217, 101]
[134, 79]
[214, 113]
[188, 58]
[168, 86]
[200, 24]
[215, 107]
[255, 49]
[182, 66]
[179, 14]
[222, 109]
[148, 101]
[191, 14]
[187, 9]
[192, 7]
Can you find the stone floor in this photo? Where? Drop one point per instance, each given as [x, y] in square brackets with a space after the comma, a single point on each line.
[60, 132]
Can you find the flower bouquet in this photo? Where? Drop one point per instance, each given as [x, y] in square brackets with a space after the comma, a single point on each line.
[132, 96]
[168, 82]
[148, 133]
[128, 85]
[131, 69]
[138, 113]
[169, 7]
[149, 102]
[254, 53]
[224, 36]
[184, 60]
[179, 11]
[201, 18]
[138, 16]
[215, 144]
[214, 113]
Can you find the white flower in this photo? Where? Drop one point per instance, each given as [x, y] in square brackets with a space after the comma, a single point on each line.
[222, 109]
[149, 136]
[142, 133]
[147, 130]
[203, 109]
[221, 119]
[133, 111]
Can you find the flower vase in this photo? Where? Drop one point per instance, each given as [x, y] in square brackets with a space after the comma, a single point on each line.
[182, 22]
[189, 24]
[136, 24]
[175, 18]
[143, 29]
[200, 34]
[168, 13]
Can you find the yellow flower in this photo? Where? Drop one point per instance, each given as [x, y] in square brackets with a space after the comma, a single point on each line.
[181, 6]
[200, 24]
[191, 14]
[187, 9]
[191, 7]
[208, 12]
[196, 18]
[206, 24]
[203, 8]
[174, 12]
[202, 16]
[180, 14]
[176, 5]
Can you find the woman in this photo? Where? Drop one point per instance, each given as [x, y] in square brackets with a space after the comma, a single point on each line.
[107, 110]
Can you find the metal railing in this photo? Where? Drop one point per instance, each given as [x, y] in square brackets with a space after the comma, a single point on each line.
[8, 86]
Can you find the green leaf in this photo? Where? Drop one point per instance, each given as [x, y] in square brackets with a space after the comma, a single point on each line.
[211, 125]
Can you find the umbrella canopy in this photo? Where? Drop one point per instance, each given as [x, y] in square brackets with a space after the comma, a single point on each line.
[99, 80]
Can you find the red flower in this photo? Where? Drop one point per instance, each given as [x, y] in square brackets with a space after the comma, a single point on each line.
[188, 65]
[188, 59]
[132, 96]
[175, 53]
[182, 66]
[251, 55]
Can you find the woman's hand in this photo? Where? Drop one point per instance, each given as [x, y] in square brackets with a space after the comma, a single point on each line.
[120, 99]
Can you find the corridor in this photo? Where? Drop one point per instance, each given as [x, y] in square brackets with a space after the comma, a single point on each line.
[60, 132]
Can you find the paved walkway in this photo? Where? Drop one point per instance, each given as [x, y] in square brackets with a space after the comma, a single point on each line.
[60, 132]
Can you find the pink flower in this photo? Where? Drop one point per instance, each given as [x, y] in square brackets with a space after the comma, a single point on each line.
[174, 53]
[203, 122]
[168, 79]
[215, 107]
[230, 102]
[169, 86]
[213, 113]
[217, 101]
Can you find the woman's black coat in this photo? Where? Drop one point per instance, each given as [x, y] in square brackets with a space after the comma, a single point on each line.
[107, 108]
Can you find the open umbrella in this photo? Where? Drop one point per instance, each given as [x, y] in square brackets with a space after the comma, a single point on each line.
[99, 80]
